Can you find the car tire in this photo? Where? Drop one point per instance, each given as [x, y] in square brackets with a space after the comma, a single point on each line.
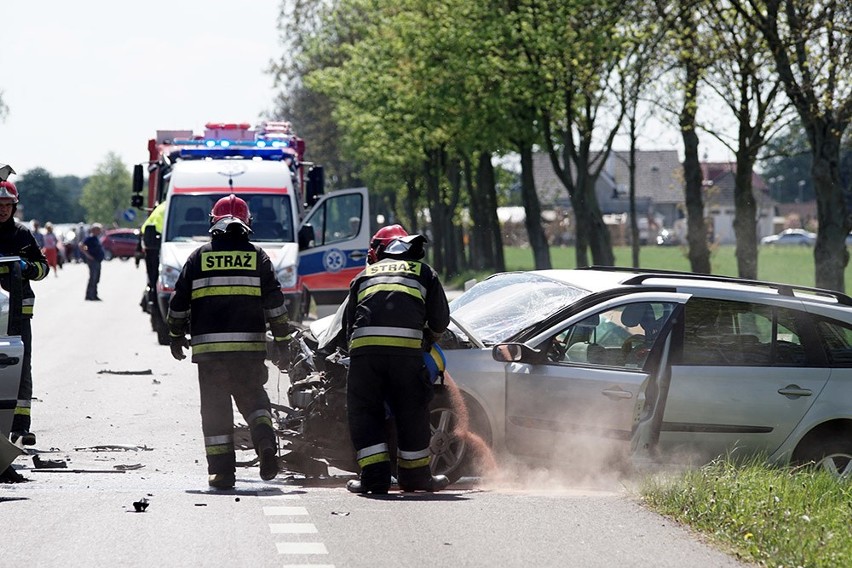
[107, 254]
[830, 454]
[450, 454]
[159, 326]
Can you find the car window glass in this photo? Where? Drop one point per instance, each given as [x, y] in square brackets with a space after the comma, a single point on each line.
[726, 333]
[618, 337]
[4, 313]
[836, 338]
[500, 307]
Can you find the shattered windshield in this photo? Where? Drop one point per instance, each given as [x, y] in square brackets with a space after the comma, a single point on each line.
[498, 308]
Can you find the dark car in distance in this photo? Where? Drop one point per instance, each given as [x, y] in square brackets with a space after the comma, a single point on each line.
[120, 243]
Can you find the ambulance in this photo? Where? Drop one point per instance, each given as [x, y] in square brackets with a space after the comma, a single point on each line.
[317, 242]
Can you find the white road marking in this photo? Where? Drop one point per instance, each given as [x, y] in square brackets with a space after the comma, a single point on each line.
[301, 548]
[308, 566]
[292, 528]
[284, 511]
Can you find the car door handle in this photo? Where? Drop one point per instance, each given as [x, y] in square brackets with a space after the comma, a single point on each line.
[617, 393]
[793, 391]
[6, 361]
[357, 255]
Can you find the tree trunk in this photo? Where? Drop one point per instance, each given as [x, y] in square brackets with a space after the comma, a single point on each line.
[532, 209]
[699, 254]
[830, 253]
[745, 214]
[487, 191]
[631, 168]
[431, 167]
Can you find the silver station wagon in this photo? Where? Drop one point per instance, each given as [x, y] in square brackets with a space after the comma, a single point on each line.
[651, 365]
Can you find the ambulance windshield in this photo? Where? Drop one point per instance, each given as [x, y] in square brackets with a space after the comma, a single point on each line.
[188, 217]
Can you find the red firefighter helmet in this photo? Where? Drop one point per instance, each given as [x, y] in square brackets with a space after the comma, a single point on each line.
[383, 238]
[8, 191]
[228, 211]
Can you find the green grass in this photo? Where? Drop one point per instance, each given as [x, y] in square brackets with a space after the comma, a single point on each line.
[790, 265]
[776, 517]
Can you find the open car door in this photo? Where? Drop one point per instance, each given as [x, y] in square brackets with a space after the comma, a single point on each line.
[11, 345]
[333, 241]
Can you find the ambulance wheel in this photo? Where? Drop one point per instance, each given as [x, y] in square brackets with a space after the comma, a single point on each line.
[159, 326]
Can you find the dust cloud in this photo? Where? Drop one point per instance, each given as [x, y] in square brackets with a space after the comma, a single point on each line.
[566, 462]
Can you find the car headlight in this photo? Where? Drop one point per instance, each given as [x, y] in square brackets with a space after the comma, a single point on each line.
[168, 277]
[287, 276]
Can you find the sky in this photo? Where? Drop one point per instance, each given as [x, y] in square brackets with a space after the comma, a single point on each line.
[85, 78]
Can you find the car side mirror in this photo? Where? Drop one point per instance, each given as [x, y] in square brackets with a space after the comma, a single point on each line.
[306, 237]
[515, 353]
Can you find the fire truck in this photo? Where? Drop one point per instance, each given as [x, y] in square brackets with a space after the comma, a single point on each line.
[317, 242]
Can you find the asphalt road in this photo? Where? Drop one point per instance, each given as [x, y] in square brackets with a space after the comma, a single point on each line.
[123, 416]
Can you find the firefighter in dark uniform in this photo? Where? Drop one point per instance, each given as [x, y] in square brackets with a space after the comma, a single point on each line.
[225, 295]
[395, 308]
[17, 240]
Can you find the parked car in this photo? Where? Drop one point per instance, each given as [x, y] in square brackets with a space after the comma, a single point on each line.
[10, 336]
[596, 364]
[120, 243]
[799, 237]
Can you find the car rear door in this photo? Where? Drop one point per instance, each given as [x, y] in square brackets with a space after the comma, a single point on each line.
[587, 397]
[338, 226]
[11, 346]
[742, 378]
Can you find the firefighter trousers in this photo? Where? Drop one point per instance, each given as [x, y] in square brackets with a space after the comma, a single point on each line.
[219, 381]
[402, 382]
[21, 419]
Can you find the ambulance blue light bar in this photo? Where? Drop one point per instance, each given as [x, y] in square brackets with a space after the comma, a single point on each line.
[241, 151]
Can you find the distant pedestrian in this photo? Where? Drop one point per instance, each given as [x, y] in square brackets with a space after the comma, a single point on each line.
[37, 234]
[93, 252]
[51, 247]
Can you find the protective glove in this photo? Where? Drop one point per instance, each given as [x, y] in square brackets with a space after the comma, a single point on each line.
[177, 345]
[24, 264]
[282, 352]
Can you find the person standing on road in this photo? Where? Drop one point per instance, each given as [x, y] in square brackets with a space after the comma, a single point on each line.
[51, 247]
[93, 252]
[395, 308]
[17, 240]
[152, 232]
[225, 295]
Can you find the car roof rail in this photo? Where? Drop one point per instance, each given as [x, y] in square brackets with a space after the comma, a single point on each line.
[782, 288]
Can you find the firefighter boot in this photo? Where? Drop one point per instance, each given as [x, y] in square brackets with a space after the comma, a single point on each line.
[375, 479]
[221, 480]
[431, 484]
[268, 461]
[26, 438]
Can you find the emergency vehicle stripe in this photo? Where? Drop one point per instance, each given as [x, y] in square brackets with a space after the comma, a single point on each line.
[226, 291]
[370, 290]
[228, 337]
[226, 281]
[414, 459]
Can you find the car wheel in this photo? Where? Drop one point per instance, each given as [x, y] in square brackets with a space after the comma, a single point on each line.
[159, 326]
[832, 455]
[449, 449]
[107, 254]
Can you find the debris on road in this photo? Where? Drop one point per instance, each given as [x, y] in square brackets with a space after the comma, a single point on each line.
[140, 505]
[111, 372]
[48, 464]
[114, 448]
[128, 466]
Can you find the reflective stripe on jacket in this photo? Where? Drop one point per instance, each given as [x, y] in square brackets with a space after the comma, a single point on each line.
[390, 303]
[17, 240]
[226, 293]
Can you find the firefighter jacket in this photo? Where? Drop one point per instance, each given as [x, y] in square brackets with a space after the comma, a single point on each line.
[390, 303]
[17, 240]
[225, 295]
